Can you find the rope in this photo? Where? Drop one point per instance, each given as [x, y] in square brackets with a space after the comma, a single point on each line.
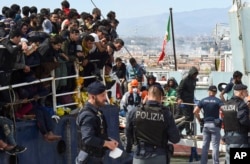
[184, 103]
[23, 101]
[11, 92]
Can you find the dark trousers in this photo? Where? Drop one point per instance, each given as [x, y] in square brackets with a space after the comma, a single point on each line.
[5, 77]
[94, 160]
[43, 118]
[71, 81]
[187, 111]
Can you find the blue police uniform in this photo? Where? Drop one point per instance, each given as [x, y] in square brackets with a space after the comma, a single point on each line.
[236, 122]
[93, 128]
[152, 126]
[212, 125]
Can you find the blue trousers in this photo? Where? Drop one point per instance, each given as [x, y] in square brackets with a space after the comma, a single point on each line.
[242, 143]
[7, 128]
[210, 133]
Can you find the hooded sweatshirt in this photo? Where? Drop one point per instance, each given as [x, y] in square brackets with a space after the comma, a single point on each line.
[185, 90]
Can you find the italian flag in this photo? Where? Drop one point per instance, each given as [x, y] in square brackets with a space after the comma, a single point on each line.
[165, 41]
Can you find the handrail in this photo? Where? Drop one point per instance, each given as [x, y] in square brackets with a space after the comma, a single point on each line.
[66, 93]
[53, 81]
[63, 105]
[25, 83]
[2, 47]
[88, 77]
[65, 77]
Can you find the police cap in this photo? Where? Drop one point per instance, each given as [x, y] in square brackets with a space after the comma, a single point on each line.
[96, 88]
[212, 88]
[239, 87]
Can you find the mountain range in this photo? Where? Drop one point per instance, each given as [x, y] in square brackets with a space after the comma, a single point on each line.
[197, 22]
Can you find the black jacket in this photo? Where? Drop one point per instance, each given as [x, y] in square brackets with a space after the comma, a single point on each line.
[47, 53]
[90, 126]
[120, 72]
[8, 54]
[185, 90]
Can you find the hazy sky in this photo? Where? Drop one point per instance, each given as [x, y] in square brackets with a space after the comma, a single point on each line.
[127, 8]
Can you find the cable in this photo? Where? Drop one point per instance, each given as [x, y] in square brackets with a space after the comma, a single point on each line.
[104, 18]
[128, 52]
[97, 7]
[11, 91]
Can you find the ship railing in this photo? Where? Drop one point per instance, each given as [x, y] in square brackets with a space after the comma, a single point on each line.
[53, 80]
[77, 90]
[68, 93]
[25, 83]
[55, 95]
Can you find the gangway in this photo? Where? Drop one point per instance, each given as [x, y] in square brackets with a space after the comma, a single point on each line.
[195, 141]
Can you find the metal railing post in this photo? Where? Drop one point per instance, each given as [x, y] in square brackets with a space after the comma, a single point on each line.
[53, 82]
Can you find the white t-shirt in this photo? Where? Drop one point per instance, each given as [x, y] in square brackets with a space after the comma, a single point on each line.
[96, 41]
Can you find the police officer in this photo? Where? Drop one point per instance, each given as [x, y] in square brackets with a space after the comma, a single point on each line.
[236, 120]
[211, 106]
[152, 126]
[93, 127]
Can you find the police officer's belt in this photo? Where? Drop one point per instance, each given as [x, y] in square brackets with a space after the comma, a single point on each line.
[95, 152]
[150, 145]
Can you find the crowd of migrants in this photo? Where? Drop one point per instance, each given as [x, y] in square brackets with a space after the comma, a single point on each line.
[36, 42]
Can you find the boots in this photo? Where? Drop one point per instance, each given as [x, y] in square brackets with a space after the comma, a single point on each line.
[50, 137]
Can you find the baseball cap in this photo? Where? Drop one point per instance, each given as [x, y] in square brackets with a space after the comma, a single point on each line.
[96, 88]
[212, 88]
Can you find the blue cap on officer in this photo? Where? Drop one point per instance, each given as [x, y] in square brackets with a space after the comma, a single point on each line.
[96, 88]
[239, 87]
[212, 88]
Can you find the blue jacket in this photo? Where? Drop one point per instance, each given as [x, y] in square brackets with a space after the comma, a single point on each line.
[134, 72]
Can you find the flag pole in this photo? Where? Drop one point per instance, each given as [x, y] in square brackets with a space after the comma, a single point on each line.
[172, 28]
